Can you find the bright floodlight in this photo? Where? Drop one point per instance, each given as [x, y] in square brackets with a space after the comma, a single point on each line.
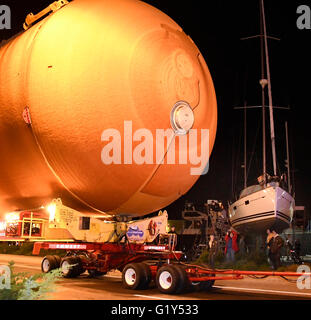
[2, 225]
[51, 210]
[12, 217]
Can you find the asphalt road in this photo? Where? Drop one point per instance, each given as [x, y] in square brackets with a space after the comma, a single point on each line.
[109, 287]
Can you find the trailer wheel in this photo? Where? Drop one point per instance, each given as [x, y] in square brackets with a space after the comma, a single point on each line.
[168, 279]
[79, 268]
[133, 276]
[146, 275]
[70, 267]
[204, 285]
[57, 260]
[184, 282]
[48, 264]
[94, 273]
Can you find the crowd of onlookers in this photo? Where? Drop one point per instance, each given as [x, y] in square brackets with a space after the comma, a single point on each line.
[235, 243]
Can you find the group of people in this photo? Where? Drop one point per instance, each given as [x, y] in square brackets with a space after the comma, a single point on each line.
[274, 244]
[231, 247]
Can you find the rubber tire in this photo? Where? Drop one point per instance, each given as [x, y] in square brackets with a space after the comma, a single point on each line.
[79, 268]
[140, 276]
[74, 270]
[205, 285]
[94, 273]
[52, 261]
[58, 260]
[184, 283]
[147, 275]
[175, 279]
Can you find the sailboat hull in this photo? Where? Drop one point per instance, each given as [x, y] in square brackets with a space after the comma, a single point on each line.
[271, 207]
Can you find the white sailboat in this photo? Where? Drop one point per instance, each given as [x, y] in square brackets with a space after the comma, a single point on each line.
[269, 204]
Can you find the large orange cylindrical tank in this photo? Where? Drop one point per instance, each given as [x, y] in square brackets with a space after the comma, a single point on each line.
[86, 68]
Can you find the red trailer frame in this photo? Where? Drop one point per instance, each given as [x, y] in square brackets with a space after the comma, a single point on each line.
[141, 263]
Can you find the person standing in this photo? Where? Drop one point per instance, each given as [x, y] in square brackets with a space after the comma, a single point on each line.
[231, 245]
[213, 248]
[269, 242]
[173, 237]
[276, 247]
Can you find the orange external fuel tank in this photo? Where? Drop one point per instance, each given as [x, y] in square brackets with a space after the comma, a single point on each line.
[90, 66]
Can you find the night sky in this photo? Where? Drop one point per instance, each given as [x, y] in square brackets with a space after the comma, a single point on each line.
[216, 27]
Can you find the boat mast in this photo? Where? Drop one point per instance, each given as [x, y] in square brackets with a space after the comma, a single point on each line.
[245, 146]
[287, 162]
[269, 89]
[263, 83]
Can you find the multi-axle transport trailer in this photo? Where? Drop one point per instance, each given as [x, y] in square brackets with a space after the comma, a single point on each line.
[142, 250]
[141, 264]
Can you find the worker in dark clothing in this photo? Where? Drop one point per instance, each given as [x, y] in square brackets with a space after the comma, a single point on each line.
[173, 230]
[173, 239]
[213, 248]
[269, 242]
[275, 244]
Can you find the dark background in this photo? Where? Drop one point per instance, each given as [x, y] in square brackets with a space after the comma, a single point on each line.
[216, 27]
